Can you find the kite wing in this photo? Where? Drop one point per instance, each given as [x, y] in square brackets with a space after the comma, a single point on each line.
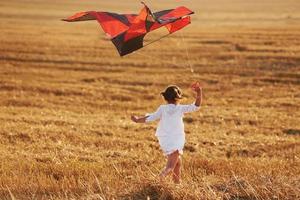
[127, 31]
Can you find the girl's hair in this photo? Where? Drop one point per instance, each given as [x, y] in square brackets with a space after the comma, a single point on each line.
[172, 93]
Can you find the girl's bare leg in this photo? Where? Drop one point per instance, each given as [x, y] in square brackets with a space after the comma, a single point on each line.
[171, 163]
[177, 171]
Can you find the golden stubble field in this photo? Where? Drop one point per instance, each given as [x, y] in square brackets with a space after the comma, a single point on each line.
[66, 98]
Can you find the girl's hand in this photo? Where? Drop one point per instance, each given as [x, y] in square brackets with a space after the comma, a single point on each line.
[138, 119]
[134, 118]
[196, 87]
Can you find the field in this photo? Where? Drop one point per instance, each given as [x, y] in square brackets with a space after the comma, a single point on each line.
[66, 98]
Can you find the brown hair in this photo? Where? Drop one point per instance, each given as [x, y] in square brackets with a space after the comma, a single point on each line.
[172, 93]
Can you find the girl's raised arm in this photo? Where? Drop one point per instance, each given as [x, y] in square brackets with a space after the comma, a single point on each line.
[198, 99]
[197, 88]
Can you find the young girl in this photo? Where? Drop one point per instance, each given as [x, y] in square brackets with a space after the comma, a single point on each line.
[170, 130]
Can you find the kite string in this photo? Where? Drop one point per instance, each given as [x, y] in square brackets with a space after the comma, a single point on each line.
[187, 53]
[164, 36]
[189, 64]
[154, 57]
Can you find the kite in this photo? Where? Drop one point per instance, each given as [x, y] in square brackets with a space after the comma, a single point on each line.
[127, 31]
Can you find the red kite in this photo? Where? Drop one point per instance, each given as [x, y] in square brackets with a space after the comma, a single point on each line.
[127, 31]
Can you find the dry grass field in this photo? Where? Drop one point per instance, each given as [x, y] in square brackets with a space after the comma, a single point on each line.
[66, 98]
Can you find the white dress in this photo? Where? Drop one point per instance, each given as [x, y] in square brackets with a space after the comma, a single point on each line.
[170, 130]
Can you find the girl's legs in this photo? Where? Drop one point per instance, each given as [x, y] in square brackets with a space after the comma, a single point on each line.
[171, 164]
[177, 171]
